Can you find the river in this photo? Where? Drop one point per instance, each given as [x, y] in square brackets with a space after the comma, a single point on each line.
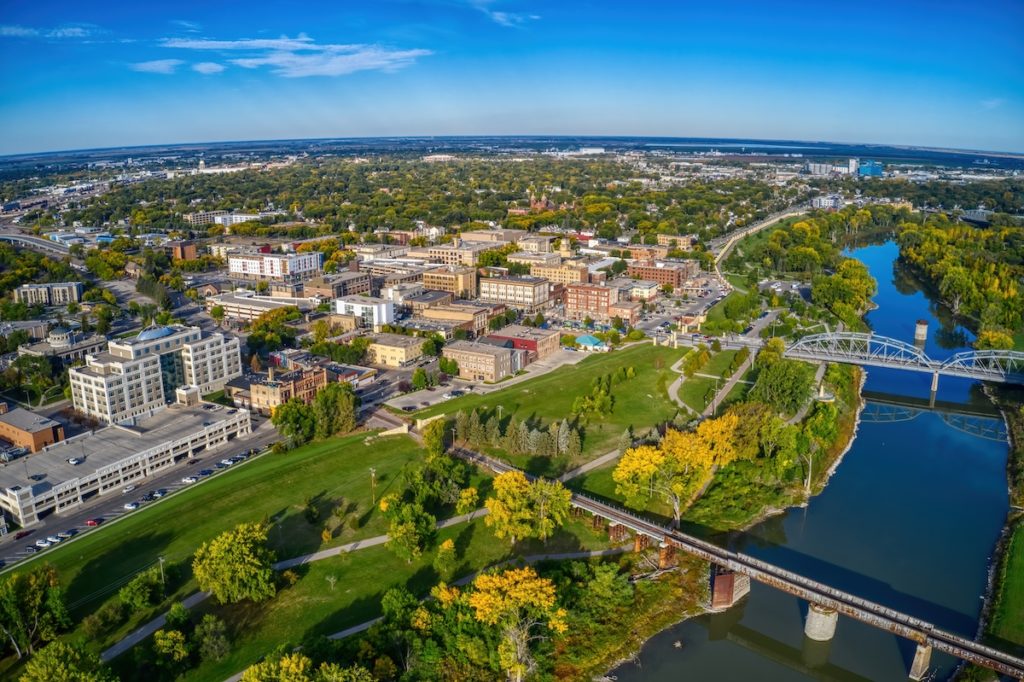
[909, 519]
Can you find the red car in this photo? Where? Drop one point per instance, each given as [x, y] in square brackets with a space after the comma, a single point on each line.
[94, 522]
[21, 534]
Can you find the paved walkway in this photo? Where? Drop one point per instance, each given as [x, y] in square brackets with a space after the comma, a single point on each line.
[591, 465]
[737, 376]
[192, 600]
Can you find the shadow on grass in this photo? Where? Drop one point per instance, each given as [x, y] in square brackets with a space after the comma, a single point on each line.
[102, 576]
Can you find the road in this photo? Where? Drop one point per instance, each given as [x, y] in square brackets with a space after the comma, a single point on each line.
[110, 507]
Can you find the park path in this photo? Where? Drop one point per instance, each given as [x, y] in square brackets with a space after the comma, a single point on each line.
[591, 465]
[147, 629]
[673, 389]
[736, 377]
[465, 580]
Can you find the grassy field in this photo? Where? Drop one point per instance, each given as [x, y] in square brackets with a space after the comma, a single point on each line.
[273, 487]
[696, 390]
[311, 607]
[640, 402]
[1007, 624]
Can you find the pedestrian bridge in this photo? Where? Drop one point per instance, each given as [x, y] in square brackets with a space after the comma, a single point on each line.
[881, 351]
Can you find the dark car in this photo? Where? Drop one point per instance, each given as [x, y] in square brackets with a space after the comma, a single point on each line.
[31, 549]
[22, 534]
[206, 472]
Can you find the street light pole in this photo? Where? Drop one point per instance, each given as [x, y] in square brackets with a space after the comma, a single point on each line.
[161, 559]
[373, 486]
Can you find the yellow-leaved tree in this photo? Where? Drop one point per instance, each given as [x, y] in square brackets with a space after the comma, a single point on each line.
[519, 603]
[521, 509]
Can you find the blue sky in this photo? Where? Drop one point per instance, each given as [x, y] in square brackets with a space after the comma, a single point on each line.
[93, 74]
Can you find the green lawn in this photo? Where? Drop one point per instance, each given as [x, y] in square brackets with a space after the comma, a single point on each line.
[1007, 624]
[311, 607]
[599, 483]
[271, 487]
[717, 312]
[640, 402]
[719, 364]
[695, 391]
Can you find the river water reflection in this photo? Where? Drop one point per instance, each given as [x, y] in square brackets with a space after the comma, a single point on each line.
[909, 519]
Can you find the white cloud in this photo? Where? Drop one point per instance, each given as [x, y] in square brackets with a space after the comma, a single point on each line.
[18, 32]
[208, 67]
[993, 103]
[187, 26]
[164, 66]
[60, 32]
[508, 19]
[302, 56]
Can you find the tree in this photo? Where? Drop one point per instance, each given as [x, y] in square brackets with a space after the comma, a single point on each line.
[419, 379]
[295, 420]
[955, 286]
[217, 313]
[32, 609]
[236, 565]
[434, 437]
[783, 384]
[469, 498]
[519, 603]
[211, 638]
[65, 662]
[171, 647]
[444, 560]
[411, 530]
[334, 409]
[575, 446]
[993, 339]
[254, 363]
[142, 591]
[520, 509]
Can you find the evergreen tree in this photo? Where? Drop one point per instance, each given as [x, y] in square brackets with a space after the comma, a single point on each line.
[461, 426]
[563, 436]
[575, 446]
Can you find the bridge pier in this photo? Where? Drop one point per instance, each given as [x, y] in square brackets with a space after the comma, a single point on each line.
[821, 623]
[640, 542]
[935, 389]
[666, 554]
[617, 532]
[922, 659]
[727, 587]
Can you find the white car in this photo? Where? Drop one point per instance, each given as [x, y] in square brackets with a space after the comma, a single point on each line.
[53, 539]
[131, 506]
[189, 479]
[127, 489]
[74, 461]
[226, 462]
[43, 543]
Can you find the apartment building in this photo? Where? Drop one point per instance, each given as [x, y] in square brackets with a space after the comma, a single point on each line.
[137, 376]
[182, 249]
[276, 388]
[394, 350]
[347, 283]
[539, 343]
[522, 293]
[372, 311]
[674, 273]
[202, 217]
[590, 300]
[536, 244]
[458, 253]
[531, 258]
[682, 242]
[563, 273]
[474, 318]
[52, 293]
[480, 361]
[281, 267]
[461, 281]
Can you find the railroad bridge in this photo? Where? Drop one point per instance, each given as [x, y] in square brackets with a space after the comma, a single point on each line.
[733, 571]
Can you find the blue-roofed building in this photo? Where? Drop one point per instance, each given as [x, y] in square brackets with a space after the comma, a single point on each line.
[591, 343]
[871, 169]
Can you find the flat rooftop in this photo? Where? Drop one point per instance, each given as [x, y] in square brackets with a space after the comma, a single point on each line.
[516, 331]
[480, 347]
[27, 421]
[398, 340]
[105, 446]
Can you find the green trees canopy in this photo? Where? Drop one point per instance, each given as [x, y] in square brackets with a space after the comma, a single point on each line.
[236, 565]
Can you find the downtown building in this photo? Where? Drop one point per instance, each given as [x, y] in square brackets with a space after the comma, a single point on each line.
[139, 376]
[275, 267]
[55, 293]
[528, 294]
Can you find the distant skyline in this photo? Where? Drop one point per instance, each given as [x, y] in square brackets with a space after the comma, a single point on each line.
[87, 75]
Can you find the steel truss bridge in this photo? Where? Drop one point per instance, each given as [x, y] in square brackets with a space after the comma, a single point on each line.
[881, 351]
[922, 632]
[884, 408]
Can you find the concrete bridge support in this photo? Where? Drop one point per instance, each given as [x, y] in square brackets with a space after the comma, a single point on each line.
[935, 389]
[727, 587]
[640, 542]
[922, 659]
[617, 532]
[821, 623]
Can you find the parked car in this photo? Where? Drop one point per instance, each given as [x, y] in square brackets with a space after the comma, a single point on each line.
[21, 534]
[221, 465]
[92, 523]
[148, 497]
[189, 479]
[65, 534]
[31, 549]
[127, 489]
[157, 494]
[74, 461]
[43, 543]
[205, 472]
[131, 506]
[227, 462]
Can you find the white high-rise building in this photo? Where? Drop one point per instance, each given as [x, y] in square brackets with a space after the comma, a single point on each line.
[137, 376]
[373, 311]
[280, 267]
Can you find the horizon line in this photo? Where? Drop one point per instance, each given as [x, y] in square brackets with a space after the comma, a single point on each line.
[931, 148]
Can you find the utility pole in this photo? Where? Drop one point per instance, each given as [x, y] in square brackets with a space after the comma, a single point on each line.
[373, 486]
[161, 559]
